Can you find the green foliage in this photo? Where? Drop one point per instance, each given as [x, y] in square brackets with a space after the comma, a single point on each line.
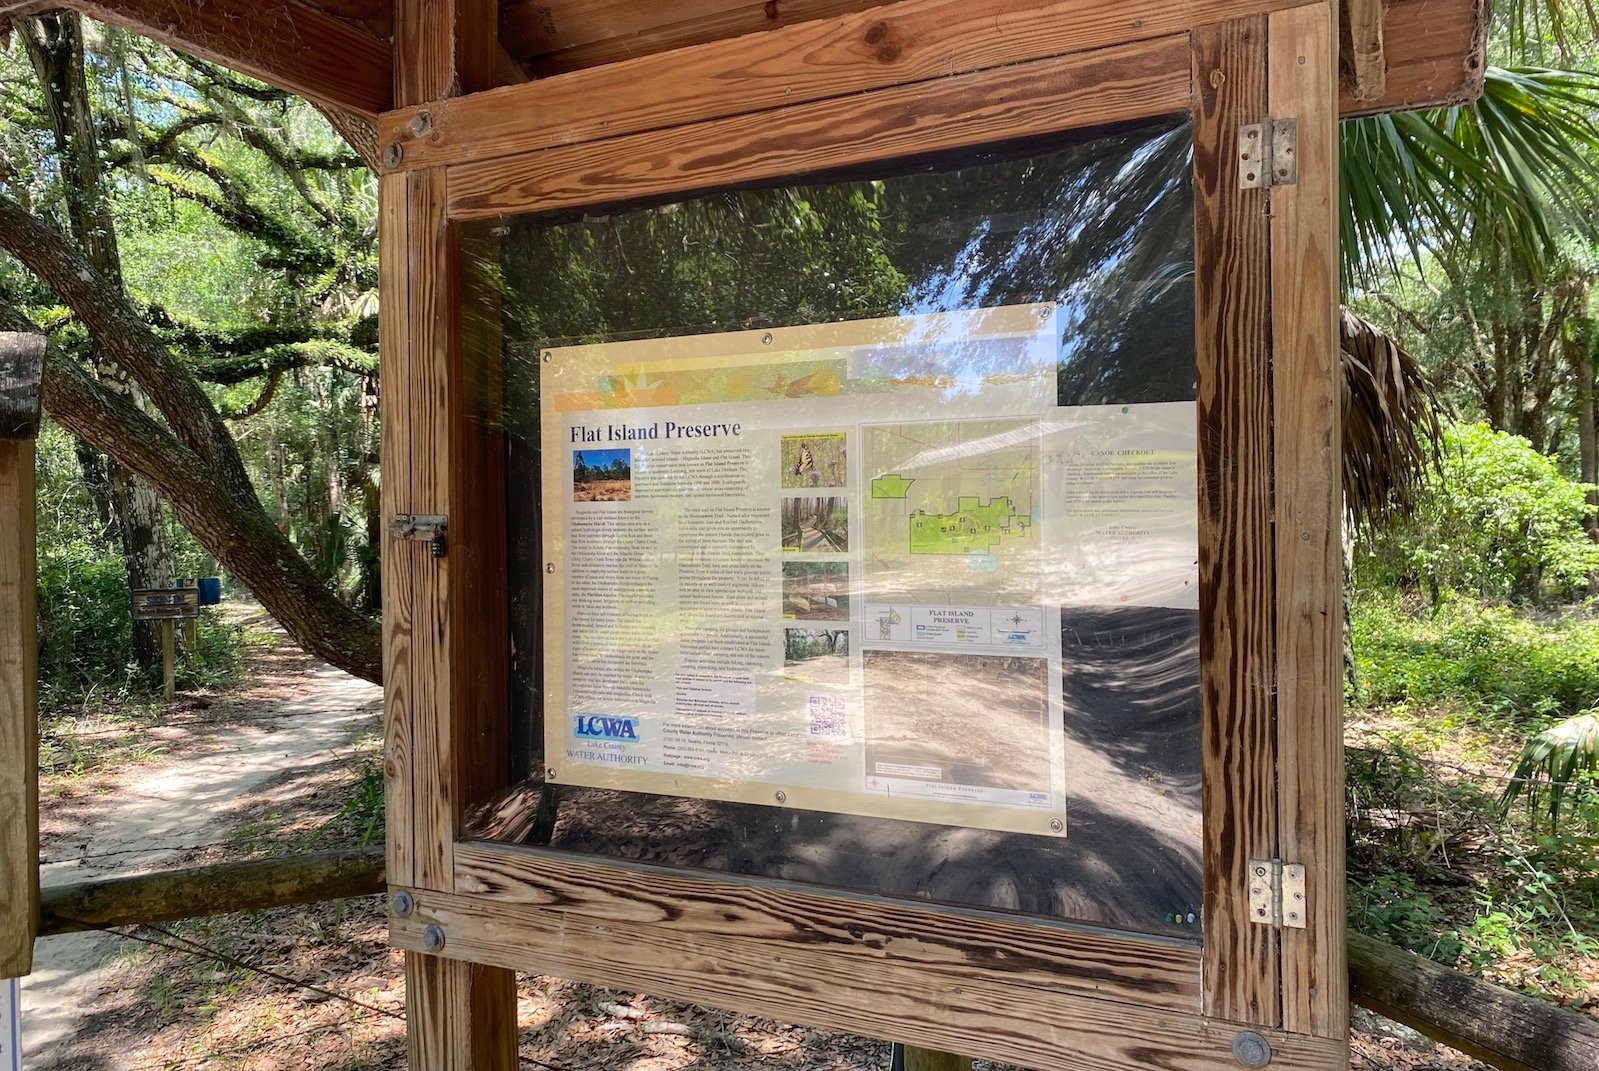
[1516, 163]
[1500, 521]
[1436, 867]
[1562, 759]
[85, 628]
[1492, 663]
[364, 810]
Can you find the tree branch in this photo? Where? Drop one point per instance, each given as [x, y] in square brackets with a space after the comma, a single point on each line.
[237, 532]
[123, 336]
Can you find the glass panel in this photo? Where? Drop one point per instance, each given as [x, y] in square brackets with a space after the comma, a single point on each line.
[852, 530]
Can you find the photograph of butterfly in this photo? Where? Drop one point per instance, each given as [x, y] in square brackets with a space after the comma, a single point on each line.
[815, 460]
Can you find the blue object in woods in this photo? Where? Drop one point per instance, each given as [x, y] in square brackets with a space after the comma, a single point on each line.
[210, 590]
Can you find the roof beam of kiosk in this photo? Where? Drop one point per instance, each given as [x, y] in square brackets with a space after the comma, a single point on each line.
[288, 44]
[1366, 66]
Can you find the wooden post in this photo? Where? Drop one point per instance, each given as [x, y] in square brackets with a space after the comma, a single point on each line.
[1306, 456]
[169, 656]
[914, 1059]
[191, 626]
[21, 365]
[440, 648]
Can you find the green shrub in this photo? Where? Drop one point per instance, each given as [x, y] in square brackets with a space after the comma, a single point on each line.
[1487, 659]
[85, 628]
[1499, 521]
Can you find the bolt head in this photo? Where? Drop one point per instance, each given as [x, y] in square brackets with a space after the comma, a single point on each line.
[421, 125]
[393, 154]
[404, 904]
[1251, 1049]
[433, 941]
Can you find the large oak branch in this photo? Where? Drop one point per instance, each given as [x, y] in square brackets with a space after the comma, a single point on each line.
[123, 335]
[238, 533]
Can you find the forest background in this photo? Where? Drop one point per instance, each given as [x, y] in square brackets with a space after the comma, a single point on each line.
[200, 250]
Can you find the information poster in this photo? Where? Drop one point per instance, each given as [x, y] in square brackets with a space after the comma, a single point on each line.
[823, 567]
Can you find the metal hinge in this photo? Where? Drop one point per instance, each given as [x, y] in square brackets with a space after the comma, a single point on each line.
[1277, 893]
[426, 528]
[1268, 154]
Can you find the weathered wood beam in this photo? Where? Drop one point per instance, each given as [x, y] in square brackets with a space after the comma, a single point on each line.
[288, 44]
[21, 369]
[1502, 1028]
[1365, 66]
[218, 889]
[1508, 1030]
[460, 1016]
[21, 366]
[1433, 55]
[911, 42]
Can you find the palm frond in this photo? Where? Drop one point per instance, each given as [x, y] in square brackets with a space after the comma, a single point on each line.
[1534, 23]
[1516, 166]
[1391, 433]
[1563, 757]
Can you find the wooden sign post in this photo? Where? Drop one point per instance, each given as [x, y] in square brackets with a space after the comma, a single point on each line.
[167, 606]
[21, 366]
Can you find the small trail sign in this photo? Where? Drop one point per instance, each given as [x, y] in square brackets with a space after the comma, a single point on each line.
[165, 604]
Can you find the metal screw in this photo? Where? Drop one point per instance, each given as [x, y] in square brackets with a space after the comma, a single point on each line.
[549, 567]
[1056, 825]
[421, 125]
[766, 339]
[548, 355]
[433, 941]
[782, 797]
[1251, 1050]
[550, 773]
[404, 904]
[393, 154]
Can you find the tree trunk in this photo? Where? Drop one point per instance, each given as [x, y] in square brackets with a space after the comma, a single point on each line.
[1580, 343]
[55, 47]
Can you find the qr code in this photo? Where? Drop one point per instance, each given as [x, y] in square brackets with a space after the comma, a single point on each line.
[828, 721]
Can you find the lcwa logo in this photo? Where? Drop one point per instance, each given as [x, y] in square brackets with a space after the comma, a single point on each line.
[605, 727]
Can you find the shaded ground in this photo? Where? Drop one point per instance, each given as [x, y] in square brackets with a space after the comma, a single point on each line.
[975, 720]
[211, 759]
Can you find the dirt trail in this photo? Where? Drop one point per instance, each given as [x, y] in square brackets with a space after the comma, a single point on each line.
[295, 714]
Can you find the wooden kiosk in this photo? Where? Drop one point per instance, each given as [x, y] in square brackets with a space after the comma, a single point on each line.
[623, 103]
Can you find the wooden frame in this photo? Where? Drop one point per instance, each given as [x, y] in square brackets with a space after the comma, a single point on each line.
[955, 75]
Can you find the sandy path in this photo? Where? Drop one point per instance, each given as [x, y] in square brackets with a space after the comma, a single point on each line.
[166, 807]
